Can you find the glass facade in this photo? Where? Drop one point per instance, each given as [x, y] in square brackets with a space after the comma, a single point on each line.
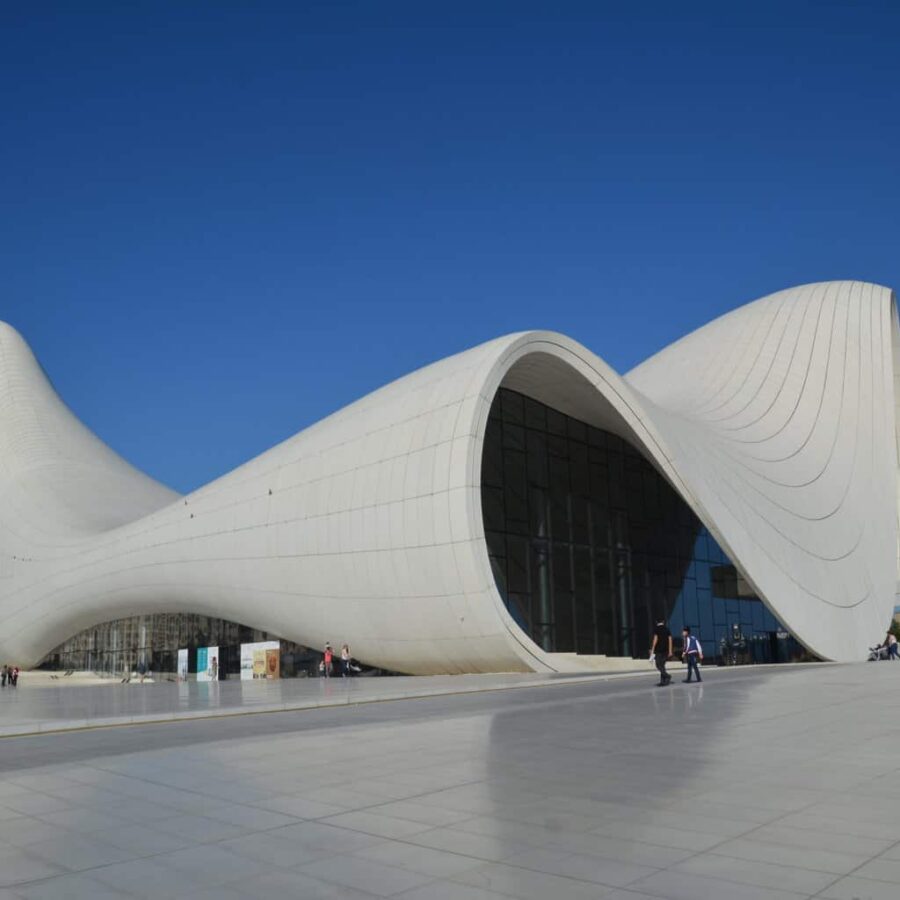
[121, 646]
[589, 543]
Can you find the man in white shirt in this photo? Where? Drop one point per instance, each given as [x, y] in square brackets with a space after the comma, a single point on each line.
[692, 654]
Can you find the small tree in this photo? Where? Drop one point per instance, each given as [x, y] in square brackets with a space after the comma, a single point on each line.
[894, 628]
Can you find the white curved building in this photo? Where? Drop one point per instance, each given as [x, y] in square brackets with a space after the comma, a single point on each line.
[503, 509]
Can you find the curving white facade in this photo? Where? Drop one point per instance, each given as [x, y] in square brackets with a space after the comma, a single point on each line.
[775, 424]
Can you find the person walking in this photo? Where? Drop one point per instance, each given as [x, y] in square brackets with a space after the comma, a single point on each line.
[661, 651]
[329, 657]
[3, 675]
[692, 654]
[345, 661]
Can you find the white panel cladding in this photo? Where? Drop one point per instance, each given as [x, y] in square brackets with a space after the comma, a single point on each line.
[776, 423]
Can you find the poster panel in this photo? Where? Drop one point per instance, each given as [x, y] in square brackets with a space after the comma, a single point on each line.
[261, 659]
[202, 659]
[259, 662]
[246, 662]
[207, 664]
[183, 664]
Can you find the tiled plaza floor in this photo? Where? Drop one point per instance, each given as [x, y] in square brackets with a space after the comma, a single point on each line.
[38, 706]
[770, 784]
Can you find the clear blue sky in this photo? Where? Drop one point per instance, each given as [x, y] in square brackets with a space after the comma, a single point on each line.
[222, 222]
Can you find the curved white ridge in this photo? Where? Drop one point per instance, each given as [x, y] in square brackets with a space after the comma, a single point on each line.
[775, 423]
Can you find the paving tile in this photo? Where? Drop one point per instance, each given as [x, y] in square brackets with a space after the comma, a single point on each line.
[70, 887]
[34, 803]
[327, 837]
[21, 831]
[855, 888]
[250, 817]
[270, 849]
[201, 829]
[420, 812]
[526, 884]
[819, 838]
[475, 845]
[582, 867]
[788, 878]
[83, 819]
[437, 863]
[373, 823]
[299, 807]
[212, 864]
[143, 841]
[18, 866]
[77, 853]
[444, 891]
[222, 892]
[880, 869]
[364, 875]
[149, 878]
[802, 857]
[682, 886]
[679, 838]
[298, 885]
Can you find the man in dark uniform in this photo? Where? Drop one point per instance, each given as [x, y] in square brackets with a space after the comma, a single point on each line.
[661, 650]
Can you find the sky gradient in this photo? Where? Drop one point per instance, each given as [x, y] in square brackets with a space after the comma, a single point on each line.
[223, 222]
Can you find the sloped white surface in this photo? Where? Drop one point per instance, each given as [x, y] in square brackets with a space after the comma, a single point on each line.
[775, 423]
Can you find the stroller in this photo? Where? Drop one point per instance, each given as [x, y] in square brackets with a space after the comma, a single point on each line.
[878, 652]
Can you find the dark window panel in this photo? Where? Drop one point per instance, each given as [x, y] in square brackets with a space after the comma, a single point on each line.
[585, 630]
[492, 509]
[517, 555]
[562, 568]
[535, 414]
[599, 483]
[513, 436]
[558, 448]
[556, 422]
[564, 622]
[581, 532]
[600, 527]
[536, 446]
[513, 407]
[559, 519]
[541, 594]
[492, 460]
[579, 473]
[539, 512]
[577, 431]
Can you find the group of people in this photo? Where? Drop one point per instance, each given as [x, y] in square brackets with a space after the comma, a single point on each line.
[661, 653]
[9, 675]
[888, 650]
[326, 667]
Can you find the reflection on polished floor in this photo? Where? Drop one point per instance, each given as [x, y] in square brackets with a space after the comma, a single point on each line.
[760, 783]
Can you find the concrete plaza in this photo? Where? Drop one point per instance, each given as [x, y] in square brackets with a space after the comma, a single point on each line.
[769, 783]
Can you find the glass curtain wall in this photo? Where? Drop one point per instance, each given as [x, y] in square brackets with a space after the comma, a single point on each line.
[589, 543]
[121, 646]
